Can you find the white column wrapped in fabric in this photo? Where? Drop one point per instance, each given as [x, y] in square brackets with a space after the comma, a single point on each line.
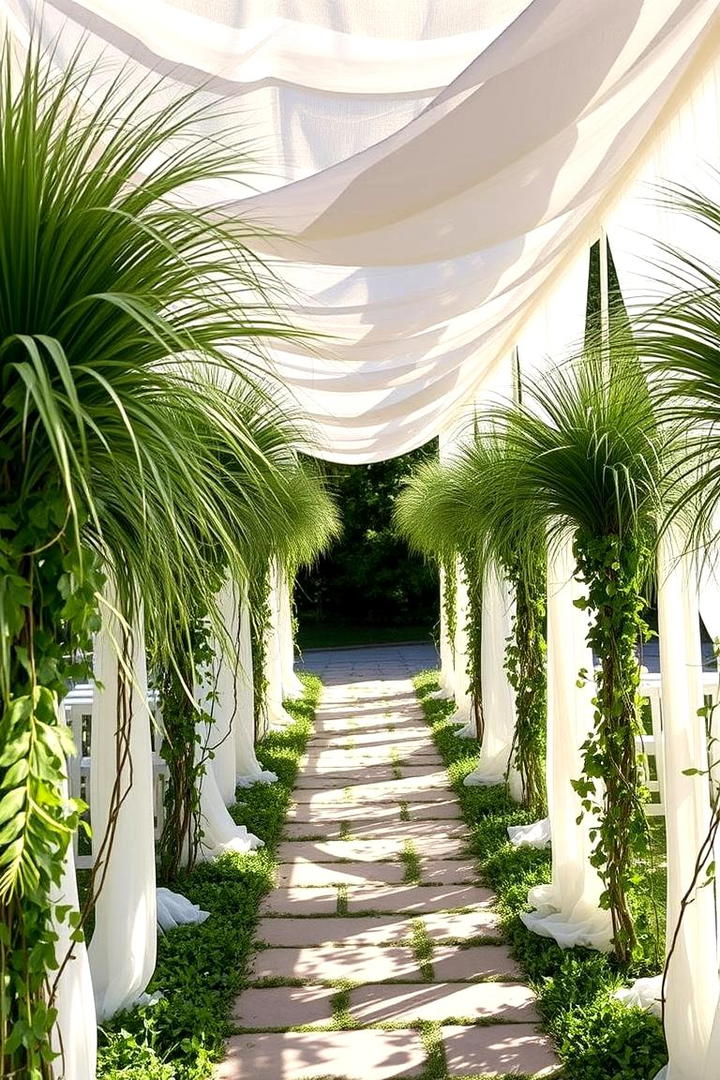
[217, 695]
[446, 676]
[692, 984]
[277, 715]
[75, 1032]
[220, 833]
[123, 944]
[497, 694]
[568, 909]
[463, 714]
[292, 688]
[248, 769]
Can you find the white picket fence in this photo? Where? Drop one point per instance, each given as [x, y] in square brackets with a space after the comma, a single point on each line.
[78, 714]
[650, 746]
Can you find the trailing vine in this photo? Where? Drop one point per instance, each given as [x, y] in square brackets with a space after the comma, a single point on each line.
[525, 663]
[449, 600]
[473, 572]
[612, 569]
[48, 613]
[260, 618]
[181, 835]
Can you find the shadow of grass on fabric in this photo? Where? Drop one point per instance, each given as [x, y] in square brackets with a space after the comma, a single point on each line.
[200, 969]
[597, 1038]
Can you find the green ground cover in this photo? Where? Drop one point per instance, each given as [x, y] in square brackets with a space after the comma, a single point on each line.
[597, 1037]
[200, 969]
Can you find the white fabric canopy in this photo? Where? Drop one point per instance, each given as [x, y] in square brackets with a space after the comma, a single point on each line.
[433, 171]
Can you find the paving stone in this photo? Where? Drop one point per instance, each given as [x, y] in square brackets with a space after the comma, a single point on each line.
[318, 780]
[301, 874]
[498, 1050]
[283, 1006]
[335, 931]
[300, 902]
[361, 963]
[449, 836]
[417, 899]
[308, 1055]
[449, 872]
[371, 850]
[451, 963]
[443, 1001]
[462, 925]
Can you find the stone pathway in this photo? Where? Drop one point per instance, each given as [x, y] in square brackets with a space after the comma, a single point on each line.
[378, 935]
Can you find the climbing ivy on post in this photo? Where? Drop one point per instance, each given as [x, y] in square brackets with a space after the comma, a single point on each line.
[473, 571]
[48, 613]
[260, 616]
[612, 569]
[449, 600]
[525, 663]
[181, 834]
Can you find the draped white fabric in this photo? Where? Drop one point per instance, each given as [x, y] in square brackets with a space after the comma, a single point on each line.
[218, 696]
[535, 835]
[692, 983]
[276, 714]
[524, 119]
[75, 1034]
[220, 833]
[292, 688]
[123, 944]
[174, 910]
[447, 648]
[464, 713]
[498, 696]
[248, 769]
[568, 909]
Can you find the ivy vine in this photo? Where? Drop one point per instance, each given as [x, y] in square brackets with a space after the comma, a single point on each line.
[181, 835]
[449, 600]
[611, 789]
[525, 663]
[260, 619]
[472, 570]
[48, 613]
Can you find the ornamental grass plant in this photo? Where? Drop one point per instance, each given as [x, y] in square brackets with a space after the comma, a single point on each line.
[129, 326]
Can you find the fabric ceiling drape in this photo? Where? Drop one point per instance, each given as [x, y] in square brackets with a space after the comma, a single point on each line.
[432, 173]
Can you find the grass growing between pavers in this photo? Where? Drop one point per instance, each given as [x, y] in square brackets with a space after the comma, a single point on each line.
[201, 968]
[597, 1038]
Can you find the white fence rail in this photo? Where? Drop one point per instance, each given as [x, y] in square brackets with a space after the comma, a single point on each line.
[650, 745]
[78, 714]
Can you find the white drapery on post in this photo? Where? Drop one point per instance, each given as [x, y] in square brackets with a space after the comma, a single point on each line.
[292, 688]
[219, 831]
[277, 715]
[248, 769]
[568, 909]
[123, 944]
[75, 1032]
[498, 697]
[217, 696]
[692, 985]
[446, 675]
[464, 713]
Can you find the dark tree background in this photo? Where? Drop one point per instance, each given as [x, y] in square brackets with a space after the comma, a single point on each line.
[368, 581]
